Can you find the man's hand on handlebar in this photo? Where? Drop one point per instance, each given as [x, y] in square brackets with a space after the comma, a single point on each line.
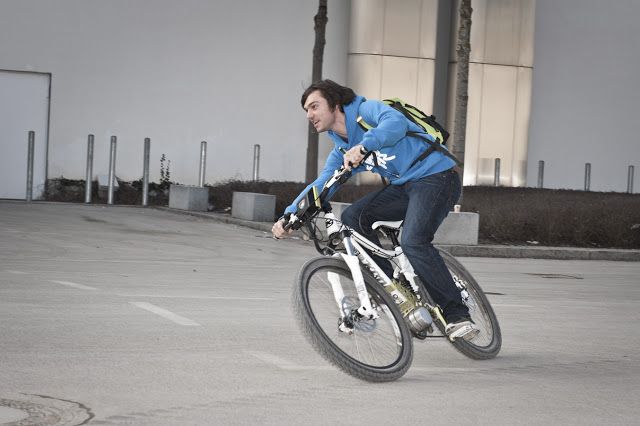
[354, 157]
[278, 230]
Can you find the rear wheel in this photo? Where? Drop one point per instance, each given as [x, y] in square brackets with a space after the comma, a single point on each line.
[378, 350]
[487, 343]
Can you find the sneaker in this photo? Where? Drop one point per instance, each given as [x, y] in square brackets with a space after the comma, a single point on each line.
[464, 327]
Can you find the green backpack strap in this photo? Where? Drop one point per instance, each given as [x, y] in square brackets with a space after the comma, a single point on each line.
[365, 126]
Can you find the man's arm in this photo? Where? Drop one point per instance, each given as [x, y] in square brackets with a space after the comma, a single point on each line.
[389, 125]
[334, 161]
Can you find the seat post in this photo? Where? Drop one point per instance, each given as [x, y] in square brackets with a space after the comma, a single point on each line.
[393, 236]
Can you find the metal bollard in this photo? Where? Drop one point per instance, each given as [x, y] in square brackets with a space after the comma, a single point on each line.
[89, 173]
[112, 169]
[145, 172]
[496, 178]
[630, 180]
[256, 162]
[30, 155]
[203, 162]
[540, 174]
[587, 176]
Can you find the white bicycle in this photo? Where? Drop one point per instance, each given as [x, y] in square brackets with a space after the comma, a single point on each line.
[362, 320]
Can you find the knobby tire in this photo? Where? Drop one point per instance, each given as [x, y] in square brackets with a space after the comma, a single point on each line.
[487, 344]
[333, 345]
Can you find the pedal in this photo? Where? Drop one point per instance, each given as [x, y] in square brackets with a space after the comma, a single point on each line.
[467, 332]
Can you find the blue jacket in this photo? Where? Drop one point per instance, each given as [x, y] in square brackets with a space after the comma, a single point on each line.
[395, 151]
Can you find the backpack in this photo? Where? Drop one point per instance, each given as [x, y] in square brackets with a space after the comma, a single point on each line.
[426, 122]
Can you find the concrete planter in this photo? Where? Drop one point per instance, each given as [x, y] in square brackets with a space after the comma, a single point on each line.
[186, 197]
[253, 206]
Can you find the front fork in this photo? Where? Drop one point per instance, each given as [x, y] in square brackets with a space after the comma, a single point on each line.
[365, 311]
[349, 317]
[334, 226]
[365, 308]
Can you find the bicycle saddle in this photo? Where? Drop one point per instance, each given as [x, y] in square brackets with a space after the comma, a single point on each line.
[391, 224]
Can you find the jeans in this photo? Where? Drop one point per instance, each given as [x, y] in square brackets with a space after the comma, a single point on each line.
[423, 205]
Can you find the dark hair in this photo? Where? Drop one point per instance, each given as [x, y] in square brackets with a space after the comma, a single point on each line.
[332, 92]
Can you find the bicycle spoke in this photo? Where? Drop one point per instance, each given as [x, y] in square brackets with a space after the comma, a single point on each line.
[373, 342]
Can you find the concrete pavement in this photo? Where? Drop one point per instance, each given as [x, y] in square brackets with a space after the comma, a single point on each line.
[123, 315]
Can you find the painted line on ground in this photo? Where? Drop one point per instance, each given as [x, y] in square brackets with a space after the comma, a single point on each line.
[186, 296]
[165, 313]
[74, 285]
[11, 271]
[508, 305]
[284, 364]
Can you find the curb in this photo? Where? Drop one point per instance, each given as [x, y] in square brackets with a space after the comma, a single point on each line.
[557, 253]
[496, 251]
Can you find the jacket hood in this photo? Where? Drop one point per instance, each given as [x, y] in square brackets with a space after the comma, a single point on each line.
[353, 129]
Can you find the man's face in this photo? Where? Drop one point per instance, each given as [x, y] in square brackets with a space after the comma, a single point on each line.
[319, 113]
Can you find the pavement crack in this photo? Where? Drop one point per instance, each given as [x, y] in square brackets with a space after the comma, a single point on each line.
[79, 404]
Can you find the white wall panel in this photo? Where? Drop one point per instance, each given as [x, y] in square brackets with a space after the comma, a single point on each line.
[502, 32]
[367, 26]
[474, 122]
[499, 86]
[527, 32]
[426, 78]
[521, 126]
[402, 28]
[428, 29]
[365, 75]
[399, 78]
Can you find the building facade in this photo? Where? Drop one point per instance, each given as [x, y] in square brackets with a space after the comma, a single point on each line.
[550, 81]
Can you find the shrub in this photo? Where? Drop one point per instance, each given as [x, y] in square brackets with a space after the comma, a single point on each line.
[507, 215]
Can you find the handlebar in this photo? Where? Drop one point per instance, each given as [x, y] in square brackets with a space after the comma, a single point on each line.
[311, 205]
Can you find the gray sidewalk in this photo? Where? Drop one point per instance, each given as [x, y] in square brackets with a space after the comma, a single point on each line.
[481, 250]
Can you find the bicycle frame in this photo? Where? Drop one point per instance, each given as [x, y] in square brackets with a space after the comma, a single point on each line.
[308, 209]
[356, 256]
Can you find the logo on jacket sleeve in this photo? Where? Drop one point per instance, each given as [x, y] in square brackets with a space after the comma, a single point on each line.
[381, 158]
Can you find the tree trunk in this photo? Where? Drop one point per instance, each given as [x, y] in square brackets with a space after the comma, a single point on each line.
[320, 25]
[463, 49]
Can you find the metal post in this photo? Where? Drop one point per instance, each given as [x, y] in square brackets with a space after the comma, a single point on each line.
[496, 178]
[203, 162]
[112, 169]
[256, 162]
[31, 148]
[540, 174]
[630, 180]
[587, 176]
[89, 175]
[145, 172]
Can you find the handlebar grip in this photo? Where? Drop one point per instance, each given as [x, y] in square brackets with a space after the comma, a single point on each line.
[289, 224]
[286, 225]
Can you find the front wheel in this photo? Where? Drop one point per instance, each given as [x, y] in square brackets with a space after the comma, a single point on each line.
[377, 350]
[487, 343]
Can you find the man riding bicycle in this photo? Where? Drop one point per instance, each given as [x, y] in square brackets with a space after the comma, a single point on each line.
[421, 193]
